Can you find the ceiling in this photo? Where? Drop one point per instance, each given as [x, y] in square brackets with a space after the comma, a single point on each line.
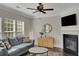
[58, 8]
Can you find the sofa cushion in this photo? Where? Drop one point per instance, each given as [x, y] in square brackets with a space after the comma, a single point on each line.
[20, 39]
[13, 41]
[13, 51]
[23, 45]
[19, 49]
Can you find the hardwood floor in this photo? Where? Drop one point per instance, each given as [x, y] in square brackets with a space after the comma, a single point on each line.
[53, 52]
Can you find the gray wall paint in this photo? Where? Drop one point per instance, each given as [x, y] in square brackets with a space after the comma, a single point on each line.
[71, 29]
[57, 30]
[54, 21]
[13, 14]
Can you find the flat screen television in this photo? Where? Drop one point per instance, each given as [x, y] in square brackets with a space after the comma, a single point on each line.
[68, 20]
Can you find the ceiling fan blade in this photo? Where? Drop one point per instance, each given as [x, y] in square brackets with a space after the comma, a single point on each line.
[43, 12]
[35, 11]
[31, 8]
[48, 9]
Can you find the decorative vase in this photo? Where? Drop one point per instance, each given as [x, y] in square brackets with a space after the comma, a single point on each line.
[41, 33]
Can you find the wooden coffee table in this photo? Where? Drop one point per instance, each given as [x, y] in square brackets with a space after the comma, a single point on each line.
[41, 51]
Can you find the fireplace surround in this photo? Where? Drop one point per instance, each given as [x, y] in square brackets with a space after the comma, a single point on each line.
[70, 44]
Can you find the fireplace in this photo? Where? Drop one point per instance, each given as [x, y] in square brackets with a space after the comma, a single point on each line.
[70, 44]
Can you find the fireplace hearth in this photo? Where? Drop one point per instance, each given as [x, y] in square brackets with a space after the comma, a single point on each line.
[70, 44]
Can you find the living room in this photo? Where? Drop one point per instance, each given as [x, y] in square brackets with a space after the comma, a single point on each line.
[29, 25]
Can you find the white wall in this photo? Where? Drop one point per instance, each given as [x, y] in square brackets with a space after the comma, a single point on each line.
[13, 14]
[28, 26]
[54, 21]
[71, 29]
[0, 28]
[57, 29]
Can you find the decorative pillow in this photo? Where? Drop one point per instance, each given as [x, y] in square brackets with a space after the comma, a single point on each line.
[5, 44]
[27, 40]
[13, 41]
[2, 45]
[20, 39]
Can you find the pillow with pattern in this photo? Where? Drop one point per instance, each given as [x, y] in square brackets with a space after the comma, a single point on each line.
[7, 44]
[27, 40]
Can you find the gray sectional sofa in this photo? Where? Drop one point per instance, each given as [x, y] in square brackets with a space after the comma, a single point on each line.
[17, 48]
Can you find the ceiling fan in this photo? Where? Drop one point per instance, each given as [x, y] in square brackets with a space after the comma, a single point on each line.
[40, 8]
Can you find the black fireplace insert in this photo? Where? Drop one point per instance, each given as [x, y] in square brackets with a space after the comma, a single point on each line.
[70, 44]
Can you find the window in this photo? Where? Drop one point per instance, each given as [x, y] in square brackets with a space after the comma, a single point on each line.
[19, 27]
[11, 28]
[8, 29]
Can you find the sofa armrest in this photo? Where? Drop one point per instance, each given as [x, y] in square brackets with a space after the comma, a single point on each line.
[3, 52]
[33, 41]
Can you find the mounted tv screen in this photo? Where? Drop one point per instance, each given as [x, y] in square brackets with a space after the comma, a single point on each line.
[68, 20]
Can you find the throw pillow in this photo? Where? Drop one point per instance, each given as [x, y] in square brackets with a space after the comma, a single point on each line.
[2, 45]
[20, 39]
[13, 41]
[26, 40]
[7, 44]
